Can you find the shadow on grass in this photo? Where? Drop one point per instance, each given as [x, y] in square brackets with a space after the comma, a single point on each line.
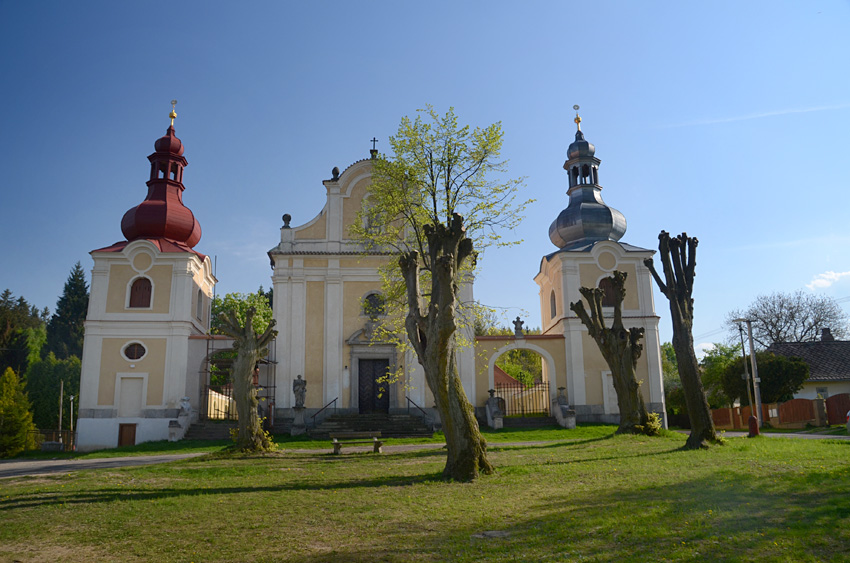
[726, 516]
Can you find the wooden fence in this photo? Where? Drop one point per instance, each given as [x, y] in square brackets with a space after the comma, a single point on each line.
[796, 413]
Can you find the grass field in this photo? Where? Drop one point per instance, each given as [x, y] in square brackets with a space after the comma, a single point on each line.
[584, 496]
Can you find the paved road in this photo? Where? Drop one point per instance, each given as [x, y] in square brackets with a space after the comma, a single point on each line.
[18, 468]
[789, 435]
[43, 467]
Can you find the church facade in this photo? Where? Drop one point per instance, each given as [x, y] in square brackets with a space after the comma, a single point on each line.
[146, 353]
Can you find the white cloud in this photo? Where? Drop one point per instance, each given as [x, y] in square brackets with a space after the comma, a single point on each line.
[712, 121]
[826, 279]
[701, 349]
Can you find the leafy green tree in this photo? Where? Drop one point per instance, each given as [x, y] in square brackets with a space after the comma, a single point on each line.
[44, 379]
[674, 397]
[437, 205]
[239, 303]
[16, 316]
[66, 328]
[713, 366]
[251, 345]
[521, 361]
[780, 377]
[15, 416]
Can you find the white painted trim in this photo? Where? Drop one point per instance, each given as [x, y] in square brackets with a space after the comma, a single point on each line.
[607, 387]
[119, 377]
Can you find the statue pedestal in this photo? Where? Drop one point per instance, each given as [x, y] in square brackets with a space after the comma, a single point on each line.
[298, 425]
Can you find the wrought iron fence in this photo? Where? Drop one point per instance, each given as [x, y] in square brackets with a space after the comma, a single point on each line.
[524, 401]
[219, 404]
[54, 440]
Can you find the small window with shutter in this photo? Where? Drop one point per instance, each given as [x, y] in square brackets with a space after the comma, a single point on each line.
[140, 294]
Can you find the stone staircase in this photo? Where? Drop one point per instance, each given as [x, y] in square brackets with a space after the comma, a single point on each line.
[529, 422]
[210, 430]
[390, 425]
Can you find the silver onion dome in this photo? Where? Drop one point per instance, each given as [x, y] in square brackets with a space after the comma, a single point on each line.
[587, 218]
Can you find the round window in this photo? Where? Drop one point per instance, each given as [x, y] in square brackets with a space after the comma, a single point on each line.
[134, 351]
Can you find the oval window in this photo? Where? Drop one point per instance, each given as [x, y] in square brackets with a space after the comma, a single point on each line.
[134, 351]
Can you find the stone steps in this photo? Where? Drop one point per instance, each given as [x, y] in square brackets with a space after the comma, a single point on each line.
[208, 430]
[529, 422]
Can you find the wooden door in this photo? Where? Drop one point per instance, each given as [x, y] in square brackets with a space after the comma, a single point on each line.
[126, 435]
[374, 396]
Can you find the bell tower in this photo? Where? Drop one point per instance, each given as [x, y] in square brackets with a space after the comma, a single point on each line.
[148, 313]
[587, 234]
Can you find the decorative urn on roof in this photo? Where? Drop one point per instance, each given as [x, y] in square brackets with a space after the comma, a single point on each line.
[586, 219]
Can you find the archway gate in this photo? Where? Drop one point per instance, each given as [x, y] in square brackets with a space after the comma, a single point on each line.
[525, 400]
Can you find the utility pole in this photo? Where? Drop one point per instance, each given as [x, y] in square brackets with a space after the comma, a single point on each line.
[61, 400]
[755, 368]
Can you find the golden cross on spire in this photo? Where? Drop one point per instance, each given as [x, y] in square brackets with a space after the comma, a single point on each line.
[173, 113]
[577, 120]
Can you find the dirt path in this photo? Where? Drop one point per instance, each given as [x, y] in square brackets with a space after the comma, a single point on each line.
[18, 468]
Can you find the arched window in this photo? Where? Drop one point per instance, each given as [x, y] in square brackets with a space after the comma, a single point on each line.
[200, 307]
[553, 305]
[609, 299]
[140, 294]
[373, 306]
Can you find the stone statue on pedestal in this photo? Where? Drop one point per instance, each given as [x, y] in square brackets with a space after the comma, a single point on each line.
[299, 388]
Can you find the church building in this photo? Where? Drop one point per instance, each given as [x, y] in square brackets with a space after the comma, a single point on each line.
[145, 368]
[149, 310]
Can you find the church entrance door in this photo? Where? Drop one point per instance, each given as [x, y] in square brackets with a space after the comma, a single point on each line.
[374, 396]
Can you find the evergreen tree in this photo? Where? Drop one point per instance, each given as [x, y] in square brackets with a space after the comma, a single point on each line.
[15, 416]
[43, 381]
[16, 317]
[66, 327]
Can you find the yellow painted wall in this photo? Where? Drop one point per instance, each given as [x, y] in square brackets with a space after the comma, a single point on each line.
[594, 365]
[352, 306]
[315, 263]
[590, 274]
[351, 205]
[363, 262]
[316, 231]
[119, 284]
[112, 362]
[315, 341]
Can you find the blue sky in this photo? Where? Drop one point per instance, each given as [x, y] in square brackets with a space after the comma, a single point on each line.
[727, 120]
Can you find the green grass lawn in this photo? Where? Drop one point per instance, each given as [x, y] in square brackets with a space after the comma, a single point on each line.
[586, 496]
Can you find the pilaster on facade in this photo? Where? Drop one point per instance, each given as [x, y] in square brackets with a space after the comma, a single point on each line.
[333, 337]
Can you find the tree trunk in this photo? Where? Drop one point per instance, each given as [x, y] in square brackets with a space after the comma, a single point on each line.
[432, 336]
[678, 257]
[621, 349]
[250, 348]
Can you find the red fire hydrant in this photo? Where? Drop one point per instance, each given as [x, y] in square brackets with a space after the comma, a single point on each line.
[754, 426]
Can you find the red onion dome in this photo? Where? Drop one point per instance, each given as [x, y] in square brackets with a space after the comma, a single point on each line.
[162, 218]
[169, 143]
[162, 213]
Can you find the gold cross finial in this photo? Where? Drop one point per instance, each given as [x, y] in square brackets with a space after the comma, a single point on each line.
[173, 113]
[577, 119]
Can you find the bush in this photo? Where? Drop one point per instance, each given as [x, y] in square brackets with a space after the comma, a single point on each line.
[652, 426]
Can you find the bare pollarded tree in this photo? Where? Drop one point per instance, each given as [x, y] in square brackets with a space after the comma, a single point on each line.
[621, 348]
[792, 317]
[678, 257]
